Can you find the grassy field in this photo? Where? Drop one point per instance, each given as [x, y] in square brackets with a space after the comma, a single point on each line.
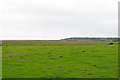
[59, 60]
[0, 62]
[51, 43]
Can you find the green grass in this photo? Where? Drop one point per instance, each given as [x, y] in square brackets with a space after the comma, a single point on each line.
[80, 61]
[0, 62]
[51, 43]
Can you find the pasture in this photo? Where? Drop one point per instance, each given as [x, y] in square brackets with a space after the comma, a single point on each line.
[22, 59]
[0, 62]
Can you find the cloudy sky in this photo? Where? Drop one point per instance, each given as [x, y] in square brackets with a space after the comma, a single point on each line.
[57, 19]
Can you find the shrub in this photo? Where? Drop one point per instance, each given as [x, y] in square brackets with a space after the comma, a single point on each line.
[111, 43]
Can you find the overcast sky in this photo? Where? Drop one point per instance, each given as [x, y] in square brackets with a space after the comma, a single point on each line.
[57, 19]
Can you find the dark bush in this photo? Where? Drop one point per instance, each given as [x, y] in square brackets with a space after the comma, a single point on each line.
[111, 43]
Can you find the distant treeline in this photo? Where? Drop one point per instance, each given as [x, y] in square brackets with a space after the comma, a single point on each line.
[114, 39]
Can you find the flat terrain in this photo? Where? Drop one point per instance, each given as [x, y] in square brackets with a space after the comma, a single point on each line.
[0, 62]
[0, 59]
[59, 60]
[51, 43]
[0, 43]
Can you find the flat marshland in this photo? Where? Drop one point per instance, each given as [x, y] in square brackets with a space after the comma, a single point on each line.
[59, 59]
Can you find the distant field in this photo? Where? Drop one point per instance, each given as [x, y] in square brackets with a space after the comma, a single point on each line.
[22, 59]
[51, 43]
[0, 43]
